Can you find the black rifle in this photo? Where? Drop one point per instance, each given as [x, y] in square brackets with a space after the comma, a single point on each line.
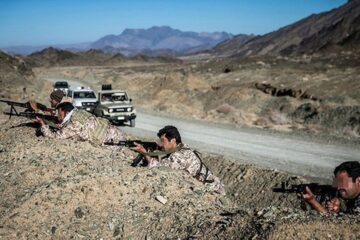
[322, 192]
[50, 120]
[27, 105]
[149, 146]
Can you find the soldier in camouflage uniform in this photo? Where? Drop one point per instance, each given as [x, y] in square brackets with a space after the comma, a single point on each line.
[179, 156]
[82, 126]
[347, 179]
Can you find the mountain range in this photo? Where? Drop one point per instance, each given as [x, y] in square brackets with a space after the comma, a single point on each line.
[154, 41]
[160, 39]
[338, 29]
[334, 30]
[93, 57]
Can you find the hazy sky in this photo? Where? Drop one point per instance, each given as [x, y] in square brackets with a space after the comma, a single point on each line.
[37, 22]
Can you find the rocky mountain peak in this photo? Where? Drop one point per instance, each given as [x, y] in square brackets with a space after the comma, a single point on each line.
[160, 38]
[334, 30]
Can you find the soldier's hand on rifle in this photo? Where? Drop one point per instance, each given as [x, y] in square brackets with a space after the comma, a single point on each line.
[33, 105]
[334, 205]
[310, 198]
[308, 195]
[139, 148]
[40, 120]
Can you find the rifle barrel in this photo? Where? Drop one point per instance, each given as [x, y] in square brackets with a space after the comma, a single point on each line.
[17, 104]
[301, 188]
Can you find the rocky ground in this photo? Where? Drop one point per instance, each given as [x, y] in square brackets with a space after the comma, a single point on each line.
[223, 90]
[56, 189]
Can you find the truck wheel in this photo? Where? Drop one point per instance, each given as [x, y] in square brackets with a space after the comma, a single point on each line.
[132, 123]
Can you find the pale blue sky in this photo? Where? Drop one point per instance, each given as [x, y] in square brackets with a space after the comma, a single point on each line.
[38, 22]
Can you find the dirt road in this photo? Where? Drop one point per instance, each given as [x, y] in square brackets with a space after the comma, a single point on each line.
[291, 154]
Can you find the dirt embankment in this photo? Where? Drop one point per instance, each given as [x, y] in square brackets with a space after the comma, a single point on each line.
[69, 189]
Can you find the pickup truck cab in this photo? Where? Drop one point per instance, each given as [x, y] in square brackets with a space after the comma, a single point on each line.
[63, 86]
[116, 106]
[83, 98]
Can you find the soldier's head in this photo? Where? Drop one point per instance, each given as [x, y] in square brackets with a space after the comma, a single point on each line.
[56, 97]
[169, 137]
[63, 109]
[347, 179]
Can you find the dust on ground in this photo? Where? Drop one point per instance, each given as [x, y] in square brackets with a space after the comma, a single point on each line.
[70, 189]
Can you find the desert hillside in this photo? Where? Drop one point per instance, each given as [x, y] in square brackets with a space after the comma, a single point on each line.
[69, 189]
[332, 31]
[14, 74]
[72, 189]
[52, 57]
[311, 94]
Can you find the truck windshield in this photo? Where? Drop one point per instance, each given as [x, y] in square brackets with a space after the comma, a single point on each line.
[61, 85]
[113, 97]
[84, 95]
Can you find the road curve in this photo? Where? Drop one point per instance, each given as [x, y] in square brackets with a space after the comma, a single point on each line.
[294, 155]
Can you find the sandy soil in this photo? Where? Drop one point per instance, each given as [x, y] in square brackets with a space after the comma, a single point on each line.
[53, 189]
[69, 189]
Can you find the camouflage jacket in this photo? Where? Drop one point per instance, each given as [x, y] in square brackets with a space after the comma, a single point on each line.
[353, 205]
[186, 159]
[83, 126]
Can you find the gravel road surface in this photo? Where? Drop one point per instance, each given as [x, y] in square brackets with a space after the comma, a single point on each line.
[290, 154]
[262, 148]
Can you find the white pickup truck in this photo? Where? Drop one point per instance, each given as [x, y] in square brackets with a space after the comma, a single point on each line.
[115, 105]
[83, 98]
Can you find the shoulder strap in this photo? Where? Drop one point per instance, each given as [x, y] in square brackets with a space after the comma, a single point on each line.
[202, 165]
[162, 154]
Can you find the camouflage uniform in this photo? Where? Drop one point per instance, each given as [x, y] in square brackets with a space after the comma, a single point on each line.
[83, 126]
[188, 160]
[353, 206]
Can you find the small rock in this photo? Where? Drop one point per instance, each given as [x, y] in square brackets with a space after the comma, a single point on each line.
[53, 229]
[162, 179]
[161, 199]
[224, 201]
[260, 213]
[136, 177]
[116, 231]
[78, 212]
[111, 226]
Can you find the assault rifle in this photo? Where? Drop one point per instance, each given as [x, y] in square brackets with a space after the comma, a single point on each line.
[149, 146]
[50, 120]
[30, 106]
[322, 192]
